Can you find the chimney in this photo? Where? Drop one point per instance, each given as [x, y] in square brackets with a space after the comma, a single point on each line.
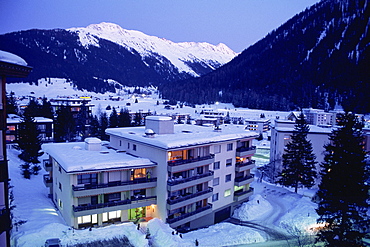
[159, 124]
[93, 144]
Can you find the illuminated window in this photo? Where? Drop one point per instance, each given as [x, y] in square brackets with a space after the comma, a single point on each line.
[227, 193]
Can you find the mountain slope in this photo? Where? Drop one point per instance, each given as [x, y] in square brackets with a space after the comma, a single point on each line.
[89, 56]
[318, 58]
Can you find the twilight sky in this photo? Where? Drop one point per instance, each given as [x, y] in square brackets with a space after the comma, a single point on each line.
[236, 23]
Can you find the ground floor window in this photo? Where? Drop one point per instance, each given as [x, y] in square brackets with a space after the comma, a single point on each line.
[112, 216]
[88, 219]
[137, 213]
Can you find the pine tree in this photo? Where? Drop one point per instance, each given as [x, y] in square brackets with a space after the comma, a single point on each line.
[298, 159]
[113, 118]
[11, 104]
[124, 119]
[94, 127]
[82, 121]
[30, 145]
[45, 109]
[64, 125]
[103, 122]
[343, 191]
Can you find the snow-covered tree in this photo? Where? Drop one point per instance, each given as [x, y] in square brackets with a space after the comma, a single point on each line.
[298, 160]
[343, 191]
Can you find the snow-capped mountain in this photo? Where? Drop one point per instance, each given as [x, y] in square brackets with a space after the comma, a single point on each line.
[91, 56]
[179, 54]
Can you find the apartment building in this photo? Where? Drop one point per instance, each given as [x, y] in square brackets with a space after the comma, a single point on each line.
[44, 125]
[189, 176]
[93, 184]
[203, 172]
[281, 134]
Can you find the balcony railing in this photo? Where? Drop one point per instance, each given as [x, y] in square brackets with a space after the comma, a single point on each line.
[187, 197]
[244, 149]
[185, 215]
[240, 193]
[110, 204]
[242, 164]
[240, 179]
[48, 180]
[176, 181]
[187, 161]
[113, 184]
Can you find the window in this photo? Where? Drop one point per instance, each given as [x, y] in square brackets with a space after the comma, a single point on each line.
[60, 203]
[88, 219]
[134, 147]
[217, 149]
[229, 146]
[228, 178]
[216, 181]
[60, 186]
[227, 193]
[128, 145]
[216, 165]
[120, 143]
[60, 169]
[112, 197]
[215, 197]
[229, 162]
[87, 178]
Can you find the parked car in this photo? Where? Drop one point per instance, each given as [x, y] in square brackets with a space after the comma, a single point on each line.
[53, 242]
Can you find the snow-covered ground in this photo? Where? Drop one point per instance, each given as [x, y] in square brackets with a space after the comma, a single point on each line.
[271, 206]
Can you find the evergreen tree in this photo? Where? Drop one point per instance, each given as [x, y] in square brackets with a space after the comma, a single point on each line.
[45, 109]
[30, 145]
[64, 125]
[83, 119]
[298, 159]
[103, 122]
[124, 119]
[94, 127]
[343, 191]
[113, 118]
[11, 104]
[33, 108]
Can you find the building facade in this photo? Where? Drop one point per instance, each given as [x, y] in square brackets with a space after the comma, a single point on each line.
[44, 125]
[189, 176]
[203, 172]
[10, 66]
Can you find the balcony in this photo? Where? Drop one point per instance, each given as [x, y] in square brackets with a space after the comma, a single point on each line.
[47, 166]
[180, 183]
[241, 167]
[182, 165]
[182, 201]
[245, 151]
[243, 195]
[244, 180]
[112, 187]
[48, 181]
[113, 206]
[186, 217]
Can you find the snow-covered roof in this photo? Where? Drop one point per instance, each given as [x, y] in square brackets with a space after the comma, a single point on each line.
[313, 129]
[15, 119]
[185, 135]
[11, 58]
[73, 157]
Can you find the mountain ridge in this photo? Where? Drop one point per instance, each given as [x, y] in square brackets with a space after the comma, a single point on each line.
[89, 60]
[318, 58]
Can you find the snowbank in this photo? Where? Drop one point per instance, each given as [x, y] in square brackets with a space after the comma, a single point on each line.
[257, 207]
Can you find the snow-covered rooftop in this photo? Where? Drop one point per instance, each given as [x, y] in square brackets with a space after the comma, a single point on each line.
[11, 58]
[185, 135]
[15, 119]
[313, 129]
[73, 157]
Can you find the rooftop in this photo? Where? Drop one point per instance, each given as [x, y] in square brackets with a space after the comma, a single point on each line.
[184, 135]
[73, 157]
